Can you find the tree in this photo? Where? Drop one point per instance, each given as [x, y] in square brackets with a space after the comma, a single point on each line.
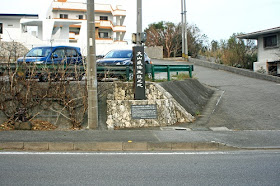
[235, 52]
[169, 35]
[196, 40]
[164, 34]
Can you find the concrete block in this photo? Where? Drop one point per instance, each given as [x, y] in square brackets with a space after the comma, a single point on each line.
[135, 146]
[110, 146]
[60, 146]
[36, 146]
[85, 146]
[182, 146]
[205, 146]
[159, 146]
[11, 145]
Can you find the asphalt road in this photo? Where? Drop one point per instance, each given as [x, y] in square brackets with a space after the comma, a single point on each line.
[204, 168]
[246, 103]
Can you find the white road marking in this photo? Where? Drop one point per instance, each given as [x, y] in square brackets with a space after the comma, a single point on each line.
[218, 101]
[141, 153]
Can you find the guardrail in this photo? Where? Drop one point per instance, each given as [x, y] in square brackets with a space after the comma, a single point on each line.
[69, 70]
[126, 71]
[171, 68]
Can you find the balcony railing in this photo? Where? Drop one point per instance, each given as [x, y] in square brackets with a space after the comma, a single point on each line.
[77, 6]
[109, 24]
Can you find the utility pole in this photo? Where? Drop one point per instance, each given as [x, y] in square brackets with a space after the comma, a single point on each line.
[91, 68]
[139, 22]
[184, 30]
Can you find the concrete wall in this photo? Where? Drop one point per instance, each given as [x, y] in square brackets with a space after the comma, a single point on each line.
[191, 94]
[155, 52]
[54, 107]
[239, 71]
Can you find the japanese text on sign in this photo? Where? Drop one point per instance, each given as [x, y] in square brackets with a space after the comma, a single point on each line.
[139, 67]
[139, 72]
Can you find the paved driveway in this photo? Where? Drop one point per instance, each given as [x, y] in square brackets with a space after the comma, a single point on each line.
[246, 104]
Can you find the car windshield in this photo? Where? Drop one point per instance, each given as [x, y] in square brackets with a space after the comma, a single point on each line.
[119, 54]
[39, 52]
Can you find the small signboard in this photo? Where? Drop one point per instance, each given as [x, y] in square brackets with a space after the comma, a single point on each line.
[139, 73]
[143, 111]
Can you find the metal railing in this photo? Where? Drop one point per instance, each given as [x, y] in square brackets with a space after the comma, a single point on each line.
[171, 68]
[71, 70]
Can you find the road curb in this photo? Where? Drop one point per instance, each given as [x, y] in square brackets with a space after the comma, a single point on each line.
[115, 146]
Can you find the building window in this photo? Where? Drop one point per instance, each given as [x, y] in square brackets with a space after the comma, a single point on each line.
[81, 16]
[104, 18]
[270, 41]
[103, 35]
[1, 28]
[63, 16]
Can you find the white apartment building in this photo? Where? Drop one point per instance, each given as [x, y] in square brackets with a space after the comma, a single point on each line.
[10, 27]
[268, 50]
[65, 24]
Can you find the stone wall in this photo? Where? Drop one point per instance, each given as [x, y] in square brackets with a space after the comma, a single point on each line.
[119, 102]
[65, 113]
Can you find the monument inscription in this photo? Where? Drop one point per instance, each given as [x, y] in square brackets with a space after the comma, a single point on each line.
[143, 111]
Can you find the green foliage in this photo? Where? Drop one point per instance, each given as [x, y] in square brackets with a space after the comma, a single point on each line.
[197, 113]
[196, 40]
[234, 52]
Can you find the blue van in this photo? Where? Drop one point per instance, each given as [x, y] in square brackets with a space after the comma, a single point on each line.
[53, 55]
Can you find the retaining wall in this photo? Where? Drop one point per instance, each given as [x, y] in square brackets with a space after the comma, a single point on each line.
[119, 103]
[235, 70]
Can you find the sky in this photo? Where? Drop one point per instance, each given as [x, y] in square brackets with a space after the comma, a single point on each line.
[218, 19]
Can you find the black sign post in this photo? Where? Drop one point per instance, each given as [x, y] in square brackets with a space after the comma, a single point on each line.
[139, 73]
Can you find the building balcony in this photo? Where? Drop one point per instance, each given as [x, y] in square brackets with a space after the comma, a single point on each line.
[109, 25]
[119, 29]
[78, 6]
